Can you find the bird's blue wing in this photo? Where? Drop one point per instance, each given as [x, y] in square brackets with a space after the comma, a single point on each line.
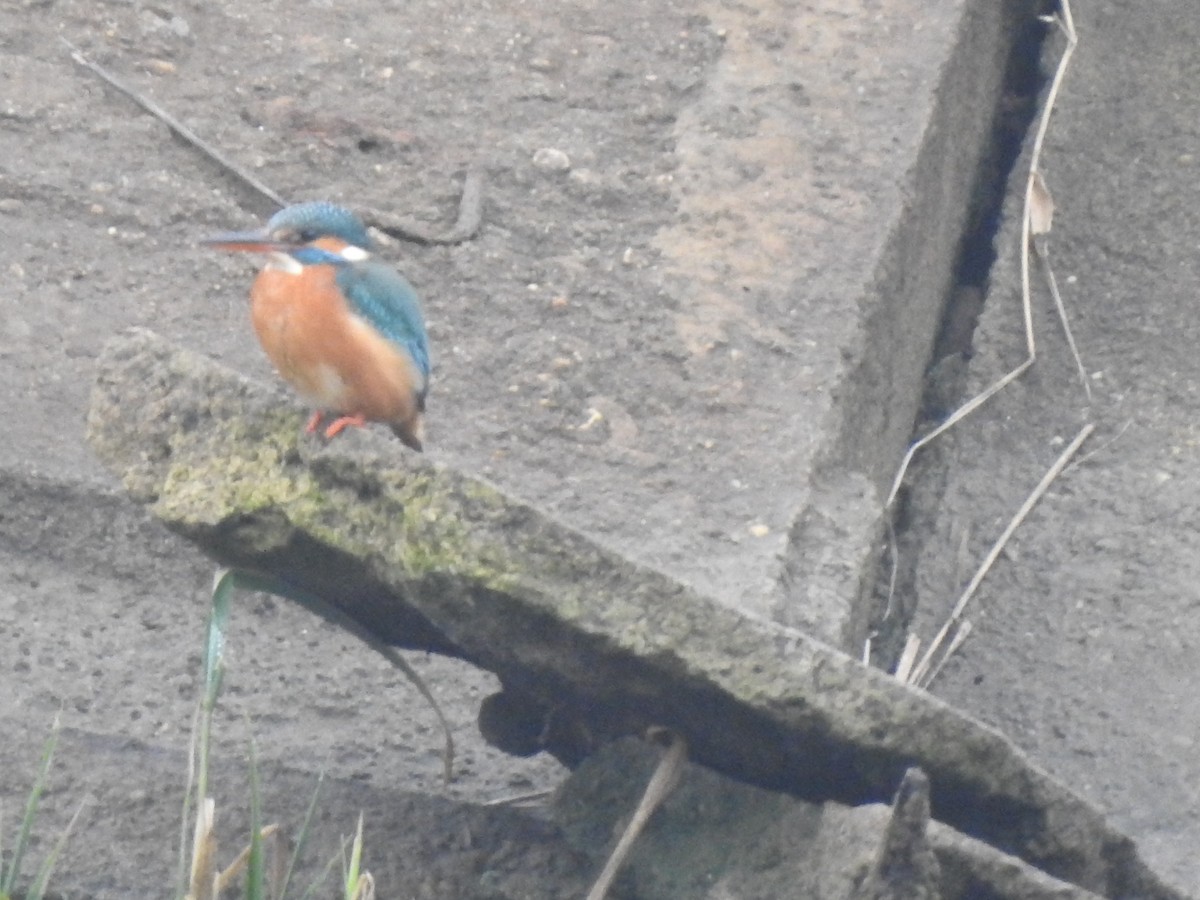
[383, 297]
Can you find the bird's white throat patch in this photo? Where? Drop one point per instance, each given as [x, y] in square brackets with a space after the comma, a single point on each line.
[284, 262]
[279, 261]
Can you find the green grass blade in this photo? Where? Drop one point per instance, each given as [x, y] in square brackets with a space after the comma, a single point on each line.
[256, 864]
[302, 837]
[340, 856]
[182, 881]
[214, 669]
[9, 880]
[3, 877]
[224, 584]
[37, 890]
[351, 887]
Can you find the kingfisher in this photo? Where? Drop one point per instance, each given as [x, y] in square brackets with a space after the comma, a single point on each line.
[342, 328]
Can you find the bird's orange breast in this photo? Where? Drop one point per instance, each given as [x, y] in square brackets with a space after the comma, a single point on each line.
[332, 356]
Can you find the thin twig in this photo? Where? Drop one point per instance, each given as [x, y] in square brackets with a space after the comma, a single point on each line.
[470, 207]
[225, 879]
[960, 635]
[1043, 253]
[515, 799]
[180, 130]
[470, 217]
[392, 655]
[1100, 449]
[1067, 24]
[662, 782]
[330, 612]
[912, 645]
[957, 416]
[918, 674]
[1065, 21]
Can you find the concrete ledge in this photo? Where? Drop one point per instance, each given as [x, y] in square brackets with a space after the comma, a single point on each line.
[923, 208]
[427, 557]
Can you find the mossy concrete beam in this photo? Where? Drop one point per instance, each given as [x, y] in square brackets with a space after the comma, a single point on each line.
[588, 645]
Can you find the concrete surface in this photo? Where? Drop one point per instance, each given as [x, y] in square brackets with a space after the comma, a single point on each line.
[574, 300]
[734, 287]
[1086, 632]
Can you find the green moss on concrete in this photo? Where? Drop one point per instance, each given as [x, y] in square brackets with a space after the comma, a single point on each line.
[414, 520]
[226, 470]
[437, 537]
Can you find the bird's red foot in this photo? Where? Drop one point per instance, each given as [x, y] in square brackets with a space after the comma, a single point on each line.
[337, 426]
[314, 422]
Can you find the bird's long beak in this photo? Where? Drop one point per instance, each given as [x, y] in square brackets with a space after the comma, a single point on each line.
[245, 241]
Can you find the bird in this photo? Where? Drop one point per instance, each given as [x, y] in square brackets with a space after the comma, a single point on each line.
[344, 329]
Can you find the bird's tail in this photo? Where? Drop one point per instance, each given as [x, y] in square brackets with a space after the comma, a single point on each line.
[412, 432]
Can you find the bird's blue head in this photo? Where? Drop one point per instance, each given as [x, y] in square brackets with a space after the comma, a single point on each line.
[305, 222]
